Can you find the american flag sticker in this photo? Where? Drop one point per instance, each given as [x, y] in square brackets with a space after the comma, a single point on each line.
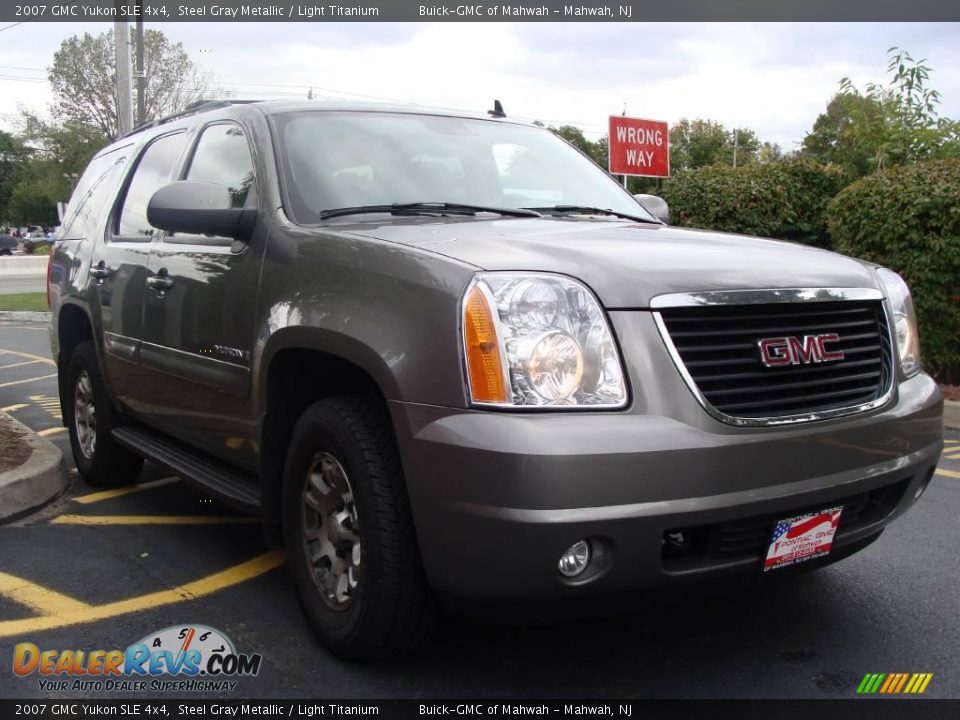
[801, 538]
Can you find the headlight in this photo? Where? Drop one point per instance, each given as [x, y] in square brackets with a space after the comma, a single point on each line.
[904, 320]
[535, 340]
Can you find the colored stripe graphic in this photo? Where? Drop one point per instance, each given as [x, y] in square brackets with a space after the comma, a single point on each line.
[894, 683]
[870, 683]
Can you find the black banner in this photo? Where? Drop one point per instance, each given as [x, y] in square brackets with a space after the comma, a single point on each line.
[852, 709]
[475, 10]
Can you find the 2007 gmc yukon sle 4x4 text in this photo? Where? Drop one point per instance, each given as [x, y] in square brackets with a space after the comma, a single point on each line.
[447, 358]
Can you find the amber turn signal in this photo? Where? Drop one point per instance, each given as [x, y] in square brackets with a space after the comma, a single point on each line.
[484, 365]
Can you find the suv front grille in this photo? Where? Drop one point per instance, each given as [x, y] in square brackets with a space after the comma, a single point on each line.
[718, 346]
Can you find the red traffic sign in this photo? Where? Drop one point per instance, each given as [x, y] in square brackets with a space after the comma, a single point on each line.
[639, 147]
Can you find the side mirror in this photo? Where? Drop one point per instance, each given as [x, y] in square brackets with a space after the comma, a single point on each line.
[198, 208]
[654, 205]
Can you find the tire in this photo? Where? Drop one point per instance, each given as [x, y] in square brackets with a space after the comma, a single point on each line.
[103, 463]
[390, 610]
[5, 252]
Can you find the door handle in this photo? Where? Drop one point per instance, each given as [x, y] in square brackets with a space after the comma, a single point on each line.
[101, 271]
[161, 281]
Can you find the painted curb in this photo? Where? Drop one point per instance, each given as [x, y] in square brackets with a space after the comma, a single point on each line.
[24, 316]
[951, 414]
[38, 481]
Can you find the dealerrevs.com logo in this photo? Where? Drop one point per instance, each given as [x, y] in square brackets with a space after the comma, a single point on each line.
[190, 658]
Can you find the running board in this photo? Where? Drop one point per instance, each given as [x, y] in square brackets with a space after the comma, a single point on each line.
[231, 485]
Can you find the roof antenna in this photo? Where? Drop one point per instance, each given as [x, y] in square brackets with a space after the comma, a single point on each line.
[497, 110]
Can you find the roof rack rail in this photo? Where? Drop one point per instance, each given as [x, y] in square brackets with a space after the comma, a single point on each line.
[200, 106]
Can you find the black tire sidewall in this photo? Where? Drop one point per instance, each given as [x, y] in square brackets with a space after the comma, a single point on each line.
[348, 630]
[110, 464]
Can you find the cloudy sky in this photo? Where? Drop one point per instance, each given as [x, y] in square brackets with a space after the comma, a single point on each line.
[773, 78]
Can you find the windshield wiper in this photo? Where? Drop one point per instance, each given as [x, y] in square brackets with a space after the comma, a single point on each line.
[588, 210]
[443, 208]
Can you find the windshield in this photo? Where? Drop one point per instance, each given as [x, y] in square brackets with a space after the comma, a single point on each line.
[334, 160]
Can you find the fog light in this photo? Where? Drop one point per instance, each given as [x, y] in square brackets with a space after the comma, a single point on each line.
[575, 560]
[923, 486]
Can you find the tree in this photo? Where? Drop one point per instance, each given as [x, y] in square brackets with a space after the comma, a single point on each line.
[83, 79]
[884, 125]
[13, 157]
[698, 143]
[70, 144]
[30, 203]
[832, 139]
[574, 135]
[58, 154]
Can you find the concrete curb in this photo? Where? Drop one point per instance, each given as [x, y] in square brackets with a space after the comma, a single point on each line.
[951, 414]
[25, 316]
[19, 265]
[38, 481]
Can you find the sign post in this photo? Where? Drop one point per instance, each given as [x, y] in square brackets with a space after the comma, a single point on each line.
[639, 147]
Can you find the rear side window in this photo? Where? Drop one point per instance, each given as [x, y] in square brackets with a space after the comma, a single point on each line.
[223, 156]
[152, 172]
[91, 198]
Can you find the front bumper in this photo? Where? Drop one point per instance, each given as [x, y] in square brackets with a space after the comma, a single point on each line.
[498, 496]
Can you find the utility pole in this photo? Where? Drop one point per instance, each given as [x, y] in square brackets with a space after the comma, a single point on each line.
[736, 139]
[141, 70]
[121, 42]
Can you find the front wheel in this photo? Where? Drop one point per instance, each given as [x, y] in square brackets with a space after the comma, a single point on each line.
[351, 546]
[91, 419]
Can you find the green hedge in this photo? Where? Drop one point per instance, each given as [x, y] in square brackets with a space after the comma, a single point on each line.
[908, 219]
[784, 200]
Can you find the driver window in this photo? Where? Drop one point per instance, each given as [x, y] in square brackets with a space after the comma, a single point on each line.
[223, 157]
[152, 172]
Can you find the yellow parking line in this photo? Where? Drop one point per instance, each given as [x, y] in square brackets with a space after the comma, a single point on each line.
[952, 457]
[19, 364]
[29, 356]
[153, 520]
[36, 597]
[51, 431]
[12, 408]
[27, 380]
[120, 492]
[191, 591]
[948, 473]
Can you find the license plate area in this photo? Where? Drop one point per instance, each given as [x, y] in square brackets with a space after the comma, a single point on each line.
[801, 538]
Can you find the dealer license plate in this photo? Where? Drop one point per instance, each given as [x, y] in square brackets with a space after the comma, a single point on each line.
[802, 538]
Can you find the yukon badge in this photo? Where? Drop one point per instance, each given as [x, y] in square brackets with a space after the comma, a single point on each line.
[781, 351]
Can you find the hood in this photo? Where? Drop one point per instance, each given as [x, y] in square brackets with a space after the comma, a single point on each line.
[625, 263]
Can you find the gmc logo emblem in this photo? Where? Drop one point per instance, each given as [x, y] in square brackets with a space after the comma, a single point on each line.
[781, 351]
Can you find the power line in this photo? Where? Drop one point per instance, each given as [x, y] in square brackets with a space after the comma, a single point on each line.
[15, 78]
[12, 25]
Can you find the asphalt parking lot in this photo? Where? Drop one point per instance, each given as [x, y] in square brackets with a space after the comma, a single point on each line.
[103, 569]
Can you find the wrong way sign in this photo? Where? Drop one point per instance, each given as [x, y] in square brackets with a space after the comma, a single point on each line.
[639, 147]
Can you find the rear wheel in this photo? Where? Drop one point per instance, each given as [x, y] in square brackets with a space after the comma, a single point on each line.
[91, 419]
[349, 535]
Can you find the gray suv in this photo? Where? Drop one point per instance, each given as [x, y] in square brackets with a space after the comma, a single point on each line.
[450, 362]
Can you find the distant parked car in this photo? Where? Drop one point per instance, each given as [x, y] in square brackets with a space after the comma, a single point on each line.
[9, 244]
